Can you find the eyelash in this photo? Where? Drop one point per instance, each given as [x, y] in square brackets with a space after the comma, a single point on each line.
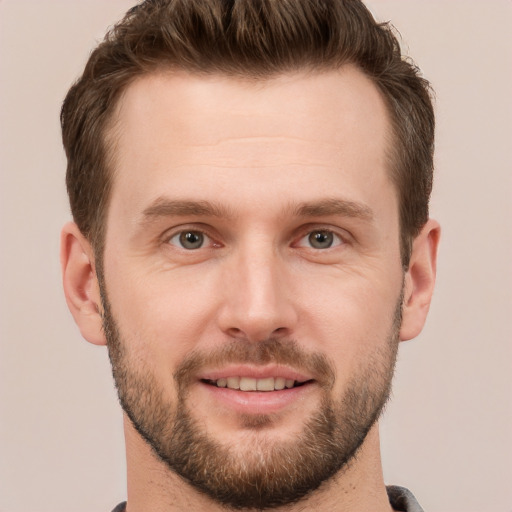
[178, 234]
[337, 239]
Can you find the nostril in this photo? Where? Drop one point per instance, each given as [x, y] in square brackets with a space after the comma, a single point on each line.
[280, 332]
[235, 332]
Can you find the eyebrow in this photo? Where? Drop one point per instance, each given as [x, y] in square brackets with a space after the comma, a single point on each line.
[165, 207]
[327, 207]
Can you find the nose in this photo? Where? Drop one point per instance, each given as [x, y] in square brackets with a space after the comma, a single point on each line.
[257, 296]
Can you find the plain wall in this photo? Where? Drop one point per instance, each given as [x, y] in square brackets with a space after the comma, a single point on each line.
[446, 434]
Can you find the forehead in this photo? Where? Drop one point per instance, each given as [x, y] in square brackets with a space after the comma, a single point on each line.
[323, 101]
[175, 127]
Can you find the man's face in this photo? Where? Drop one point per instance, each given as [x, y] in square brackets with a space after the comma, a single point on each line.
[252, 277]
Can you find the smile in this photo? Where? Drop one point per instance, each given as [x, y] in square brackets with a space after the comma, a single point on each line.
[255, 384]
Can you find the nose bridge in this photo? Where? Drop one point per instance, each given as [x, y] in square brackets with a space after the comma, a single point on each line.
[261, 279]
[257, 297]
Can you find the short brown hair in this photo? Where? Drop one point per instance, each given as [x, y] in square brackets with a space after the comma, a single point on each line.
[250, 38]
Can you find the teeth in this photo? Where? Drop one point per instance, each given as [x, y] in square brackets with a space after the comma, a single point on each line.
[265, 384]
[247, 384]
[222, 383]
[279, 383]
[251, 384]
[233, 382]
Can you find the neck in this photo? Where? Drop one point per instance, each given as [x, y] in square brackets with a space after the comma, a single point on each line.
[153, 486]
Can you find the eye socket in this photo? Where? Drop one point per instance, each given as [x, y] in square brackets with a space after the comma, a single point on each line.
[321, 239]
[189, 239]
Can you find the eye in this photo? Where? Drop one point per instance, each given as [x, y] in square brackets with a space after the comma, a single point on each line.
[189, 239]
[321, 239]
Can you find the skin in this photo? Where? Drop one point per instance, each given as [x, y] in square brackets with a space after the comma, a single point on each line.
[277, 160]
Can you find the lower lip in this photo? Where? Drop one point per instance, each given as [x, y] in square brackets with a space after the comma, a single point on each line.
[257, 402]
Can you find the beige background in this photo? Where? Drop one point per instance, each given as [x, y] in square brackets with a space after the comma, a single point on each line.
[447, 434]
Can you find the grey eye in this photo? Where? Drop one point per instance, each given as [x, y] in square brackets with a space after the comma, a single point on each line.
[188, 239]
[321, 239]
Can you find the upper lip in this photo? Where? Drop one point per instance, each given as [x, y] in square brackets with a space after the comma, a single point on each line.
[255, 372]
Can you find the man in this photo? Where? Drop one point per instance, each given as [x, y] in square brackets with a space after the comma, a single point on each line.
[249, 183]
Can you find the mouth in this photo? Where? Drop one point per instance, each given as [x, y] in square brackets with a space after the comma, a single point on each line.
[252, 389]
[266, 384]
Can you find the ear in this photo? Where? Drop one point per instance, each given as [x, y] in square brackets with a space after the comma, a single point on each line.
[81, 283]
[419, 280]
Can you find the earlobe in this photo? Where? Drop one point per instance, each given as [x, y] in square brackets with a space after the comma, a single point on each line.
[81, 284]
[419, 280]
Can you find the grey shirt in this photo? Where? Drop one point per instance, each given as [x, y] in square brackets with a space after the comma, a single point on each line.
[401, 499]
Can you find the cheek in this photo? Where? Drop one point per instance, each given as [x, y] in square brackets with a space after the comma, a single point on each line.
[350, 320]
[162, 315]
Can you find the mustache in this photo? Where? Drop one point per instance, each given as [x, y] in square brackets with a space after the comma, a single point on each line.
[286, 352]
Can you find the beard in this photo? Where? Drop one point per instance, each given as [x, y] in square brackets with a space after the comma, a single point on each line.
[266, 472]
